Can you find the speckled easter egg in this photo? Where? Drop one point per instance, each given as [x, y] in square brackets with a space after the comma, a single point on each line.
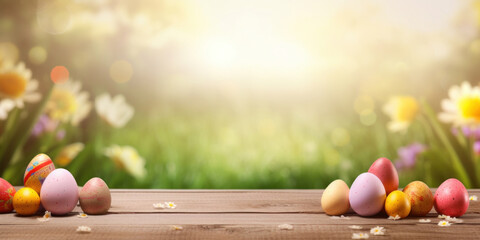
[7, 191]
[59, 192]
[421, 198]
[367, 195]
[335, 198]
[384, 169]
[95, 197]
[451, 198]
[26, 201]
[37, 171]
[397, 204]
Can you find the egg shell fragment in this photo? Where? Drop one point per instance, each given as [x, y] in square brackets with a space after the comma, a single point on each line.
[37, 171]
[95, 197]
[384, 169]
[26, 201]
[421, 198]
[335, 198]
[59, 192]
[451, 198]
[367, 195]
[7, 191]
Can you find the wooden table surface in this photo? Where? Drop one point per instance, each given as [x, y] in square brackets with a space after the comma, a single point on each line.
[228, 214]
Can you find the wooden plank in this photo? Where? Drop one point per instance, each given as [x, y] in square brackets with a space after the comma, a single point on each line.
[268, 201]
[225, 214]
[235, 231]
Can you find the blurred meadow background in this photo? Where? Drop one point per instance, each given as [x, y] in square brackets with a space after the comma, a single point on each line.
[240, 94]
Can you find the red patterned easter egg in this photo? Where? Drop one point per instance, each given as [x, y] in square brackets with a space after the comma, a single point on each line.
[37, 171]
[6, 196]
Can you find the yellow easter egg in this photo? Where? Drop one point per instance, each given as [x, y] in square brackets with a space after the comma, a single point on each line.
[37, 171]
[397, 204]
[26, 201]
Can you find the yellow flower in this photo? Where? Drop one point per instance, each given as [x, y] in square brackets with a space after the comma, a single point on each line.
[402, 110]
[68, 104]
[444, 224]
[68, 153]
[17, 85]
[360, 236]
[170, 205]
[377, 231]
[463, 105]
[127, 158]
[115, 111]
[46, 217]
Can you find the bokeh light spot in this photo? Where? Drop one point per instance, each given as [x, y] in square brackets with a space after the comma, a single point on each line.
[8, 51]
[368, 118]
[54, 16]
[475, 47]
[121, 71]
[364, 104]
[59, 74]
[37, 55]
[340, 137]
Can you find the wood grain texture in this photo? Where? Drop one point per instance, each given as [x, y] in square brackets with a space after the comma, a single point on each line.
[228, 214]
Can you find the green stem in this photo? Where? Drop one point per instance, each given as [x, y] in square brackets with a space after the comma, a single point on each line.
[20, 137]
[459, 166]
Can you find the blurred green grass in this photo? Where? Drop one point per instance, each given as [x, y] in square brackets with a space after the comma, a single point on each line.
[221, 150]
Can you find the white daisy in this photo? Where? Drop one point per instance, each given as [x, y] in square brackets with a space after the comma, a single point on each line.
[6, 105]
[46, 217]
[16, 84]
[425, 220]
[355, 227]
[377, 231]
[360, 236]
[82, 215]
[177, 228]
[453, 219]
[402, 110]
[67, 103]
[115, 111]
[285, 226]
[341, 217]
[394, 218]
[170, 205]
[473, 198]
[463, 105]
[444, 224]
[443, 216]
[127, 158]
[158, 206]
[84, 229]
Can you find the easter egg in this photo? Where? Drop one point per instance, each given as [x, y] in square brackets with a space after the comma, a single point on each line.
[36, 172]
[367, 195]
[95, 197]
[451, 198]
[421, 198]
[397, 204]
[26, 201]
[386, 172]
[7, 191]
[59, 192]
[335, 198]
